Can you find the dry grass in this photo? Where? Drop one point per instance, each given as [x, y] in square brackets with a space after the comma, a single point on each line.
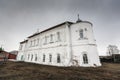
[30, 71]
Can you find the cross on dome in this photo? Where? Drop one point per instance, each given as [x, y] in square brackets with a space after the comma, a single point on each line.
[78, 19]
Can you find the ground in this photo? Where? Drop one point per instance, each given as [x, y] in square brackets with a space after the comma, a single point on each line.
[31, 71]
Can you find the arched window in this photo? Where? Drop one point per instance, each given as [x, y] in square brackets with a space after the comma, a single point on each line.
[20, 47]
[22, 57]
[81, 34]
[44, 58]
[85, 59]
[35, 57]
[58, 58]
[50, 58]
[31, 57]
[28, 56]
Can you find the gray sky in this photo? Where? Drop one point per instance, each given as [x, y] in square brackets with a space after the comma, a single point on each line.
[21, 18]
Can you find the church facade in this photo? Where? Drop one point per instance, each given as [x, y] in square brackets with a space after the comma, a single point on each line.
[66, 44]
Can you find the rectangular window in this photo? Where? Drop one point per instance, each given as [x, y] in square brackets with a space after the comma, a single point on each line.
[30, 43]
[34, 42]
[58, 36]
[37, 41]
[21, 47]
[51, 38]
[45, 40]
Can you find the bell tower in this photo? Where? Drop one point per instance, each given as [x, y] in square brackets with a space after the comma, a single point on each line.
[84, 48]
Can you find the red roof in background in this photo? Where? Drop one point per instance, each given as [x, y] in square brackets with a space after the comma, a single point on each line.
[7, 55]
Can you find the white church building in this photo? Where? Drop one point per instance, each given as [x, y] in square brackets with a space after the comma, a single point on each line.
[65, 44]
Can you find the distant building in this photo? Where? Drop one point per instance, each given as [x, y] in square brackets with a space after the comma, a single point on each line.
[66, 44]
[112, 49]
[14, 52]
[113, 54]
[6, 56]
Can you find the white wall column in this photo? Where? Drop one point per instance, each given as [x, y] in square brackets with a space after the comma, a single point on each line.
[69, 48]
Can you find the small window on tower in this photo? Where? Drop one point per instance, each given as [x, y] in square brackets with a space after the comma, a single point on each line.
[81, 34]
[85, 29]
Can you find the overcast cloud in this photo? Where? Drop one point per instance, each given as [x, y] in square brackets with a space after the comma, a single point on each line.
[21, 18]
